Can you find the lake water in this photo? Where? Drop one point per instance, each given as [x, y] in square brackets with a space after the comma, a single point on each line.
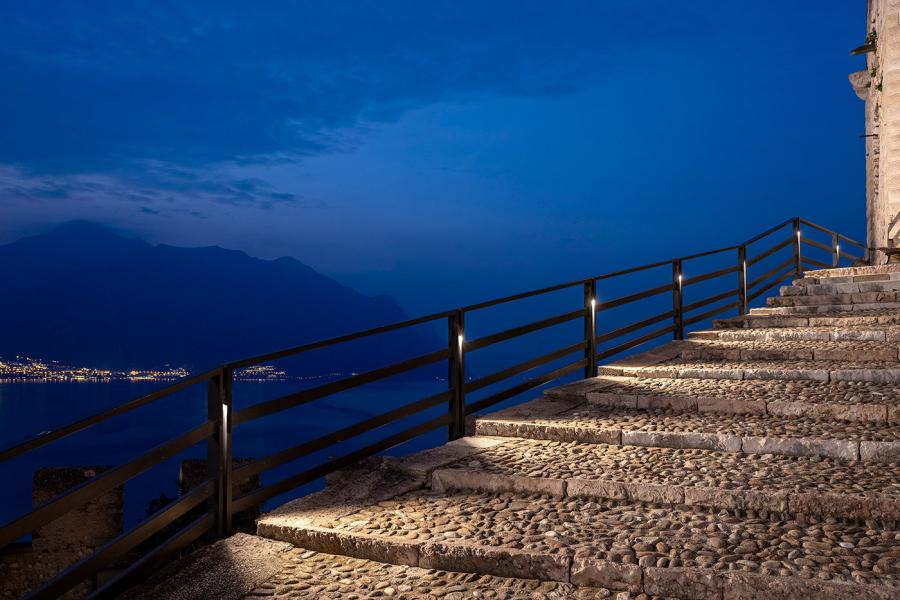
[27, 408]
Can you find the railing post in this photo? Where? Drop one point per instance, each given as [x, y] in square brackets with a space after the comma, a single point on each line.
[742, 279]
[835, 250]
[677, 299]
[798, 266]
[218, 450]
[456, 374]
[590, 328]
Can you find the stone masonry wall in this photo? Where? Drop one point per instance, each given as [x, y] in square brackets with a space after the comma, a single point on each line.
[879, 86]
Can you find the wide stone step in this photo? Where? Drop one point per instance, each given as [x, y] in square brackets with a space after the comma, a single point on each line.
[868, 333]
[813, 486]
[843, 274]
[833, 319]
[858, 298]
[819, 309]
[812, 370]
[842, 400]
[566, 420]
[792, 350]
[806, 288]
[693, 553]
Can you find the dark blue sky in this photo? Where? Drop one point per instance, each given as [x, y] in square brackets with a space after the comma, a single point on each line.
[442, 152]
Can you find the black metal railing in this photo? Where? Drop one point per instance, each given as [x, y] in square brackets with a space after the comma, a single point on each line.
[217, 431]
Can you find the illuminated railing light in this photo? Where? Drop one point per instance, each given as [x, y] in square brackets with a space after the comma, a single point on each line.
[460, 340]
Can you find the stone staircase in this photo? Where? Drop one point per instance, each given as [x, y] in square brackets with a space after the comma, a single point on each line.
[760, 459]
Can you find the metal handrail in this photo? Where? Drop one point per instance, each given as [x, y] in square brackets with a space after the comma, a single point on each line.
[217, 430]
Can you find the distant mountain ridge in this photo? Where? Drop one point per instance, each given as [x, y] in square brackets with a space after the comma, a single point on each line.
[84, 294]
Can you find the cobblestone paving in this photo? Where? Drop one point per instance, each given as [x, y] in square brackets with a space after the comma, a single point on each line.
[587, 416]
[686, 467]
[769, 365]
[637, 533]
[874, 332]
[317, 575]
[805, 346]
[769, 390]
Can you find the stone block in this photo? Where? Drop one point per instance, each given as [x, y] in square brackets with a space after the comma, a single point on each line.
[608, 400]
[677, 439]
[597, 488]
[698, 373]
[370, 547]
[731, 406]
[842, 449]
[861, 335]
[594, 572]
[873, 375]
[888, 452]
[462, 479]
[864, 413]
[787, 374]
[503, 562]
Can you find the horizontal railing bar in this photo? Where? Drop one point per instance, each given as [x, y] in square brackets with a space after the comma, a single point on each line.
[815, 244]
[814, 226]
[609, 304]
[708, 253]
[844, 238]
[525, 386]
[815, 263]
[300, 450]
[701, 303]
[119, 546]
[349, 337]
[787, 275]
[104, 482]
[768, 232]
[521, 296]
[698, 278]
[773, 271]
[615, 333]
[769, 252]
[523, 367]
[635, 342]
[502, 336]
[279, 487]
[304, 396]
[711, 313]
[851, 257]
[158, 556]
[38, 441]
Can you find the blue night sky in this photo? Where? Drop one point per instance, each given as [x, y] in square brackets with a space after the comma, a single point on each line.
[442, 152]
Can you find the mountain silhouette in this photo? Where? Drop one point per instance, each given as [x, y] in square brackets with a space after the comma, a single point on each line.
[86, 295]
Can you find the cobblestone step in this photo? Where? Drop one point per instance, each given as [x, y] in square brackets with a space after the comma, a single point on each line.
[823, 308]
[864, 298]
[869, 333]
[830, 289]
[309, 574]
[840, 319]
[694, 552]
[812, 370]
[842, 400]
[563, 420]
[813, 486]
[873, 273]
[791, 350]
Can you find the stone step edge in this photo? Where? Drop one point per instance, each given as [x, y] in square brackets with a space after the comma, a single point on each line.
[690, 583]
[820, 308]
[776, 321]
[829, 504]
[836, 299]
[886, 353]
[875, 451]
[857, 413]
[891, 375]
[785, 334]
